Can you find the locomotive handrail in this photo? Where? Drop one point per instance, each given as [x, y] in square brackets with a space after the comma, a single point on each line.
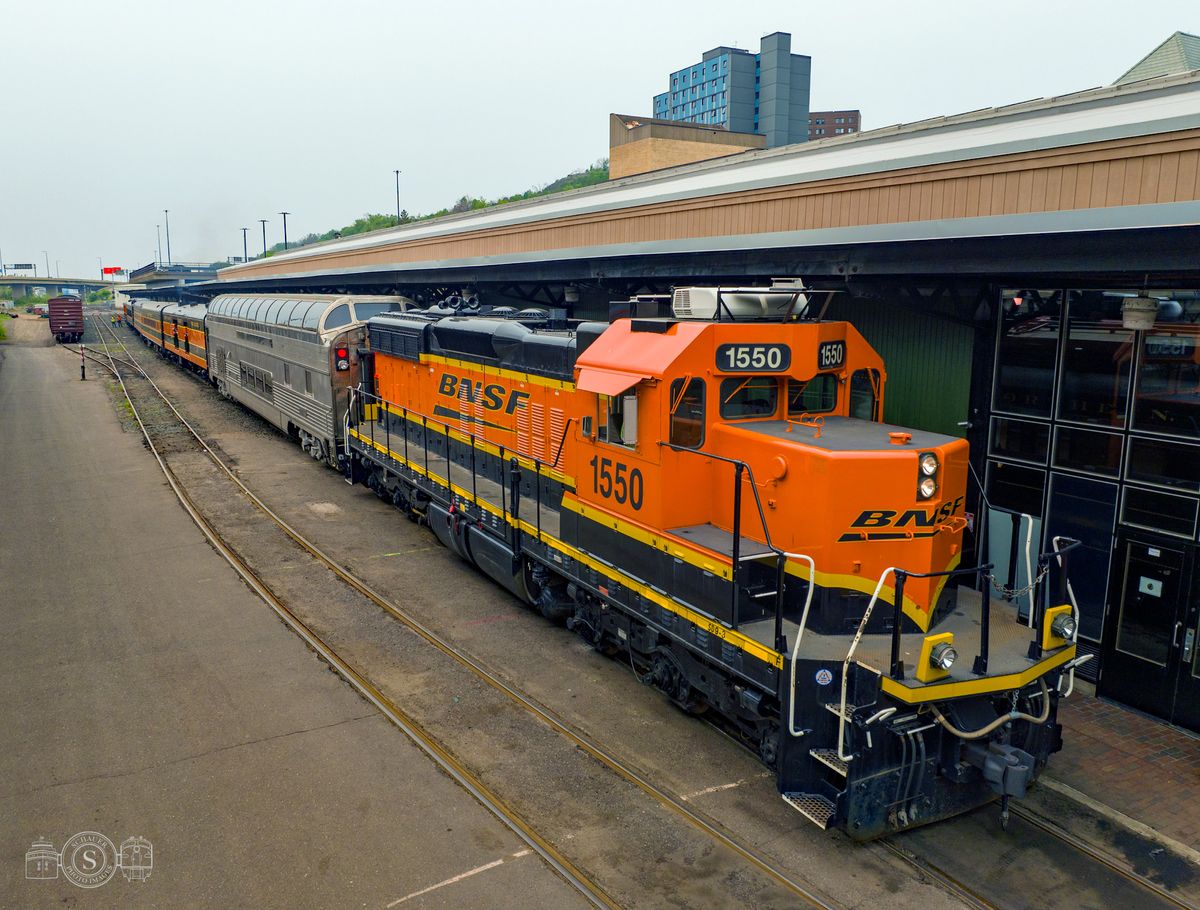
[735, 554]
[846, 664]
[896, 669]
[812, 583]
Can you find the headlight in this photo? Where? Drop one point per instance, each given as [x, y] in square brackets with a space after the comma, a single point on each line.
[929, 464]
[1064, 626]
[927, 487]
[943, 656]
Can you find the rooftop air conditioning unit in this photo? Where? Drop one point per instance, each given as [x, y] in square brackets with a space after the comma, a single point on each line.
[738, 303]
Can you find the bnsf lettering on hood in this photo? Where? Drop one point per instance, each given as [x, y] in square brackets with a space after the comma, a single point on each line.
[493, 397]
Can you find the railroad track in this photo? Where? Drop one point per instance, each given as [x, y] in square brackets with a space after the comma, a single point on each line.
[970, 894]
[1037, 846]
[422, 738]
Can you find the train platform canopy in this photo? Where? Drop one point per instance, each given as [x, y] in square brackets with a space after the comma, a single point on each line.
[981, 192]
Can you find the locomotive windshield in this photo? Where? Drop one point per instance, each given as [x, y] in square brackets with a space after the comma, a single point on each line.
[749, 396]
[816, 396]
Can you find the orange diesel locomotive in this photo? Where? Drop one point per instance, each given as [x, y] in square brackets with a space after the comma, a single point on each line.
[715, 498]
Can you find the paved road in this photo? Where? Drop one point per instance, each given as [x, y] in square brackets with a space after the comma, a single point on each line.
[145, 691]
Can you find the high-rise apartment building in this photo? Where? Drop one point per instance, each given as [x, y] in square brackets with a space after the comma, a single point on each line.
[733, 88]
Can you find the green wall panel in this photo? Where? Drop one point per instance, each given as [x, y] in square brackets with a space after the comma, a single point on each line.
[928, 360]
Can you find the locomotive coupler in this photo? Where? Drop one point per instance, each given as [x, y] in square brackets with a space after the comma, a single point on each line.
[1007, 769]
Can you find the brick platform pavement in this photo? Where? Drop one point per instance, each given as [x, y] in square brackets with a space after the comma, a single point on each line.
[1142, 767]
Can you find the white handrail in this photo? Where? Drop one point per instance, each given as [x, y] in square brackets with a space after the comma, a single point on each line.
[812, 584]
[862, 626]
[1029, 567]
[346, 422]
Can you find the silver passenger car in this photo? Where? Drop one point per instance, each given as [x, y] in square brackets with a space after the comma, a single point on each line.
[292, 357]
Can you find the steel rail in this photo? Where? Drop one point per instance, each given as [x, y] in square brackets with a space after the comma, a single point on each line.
[974, 899]
[621, 767]
[422, 739]
[1099, 856]
[948, 882]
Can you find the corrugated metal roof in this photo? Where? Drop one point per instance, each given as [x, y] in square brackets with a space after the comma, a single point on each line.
[1178, 54]
[1150, 107]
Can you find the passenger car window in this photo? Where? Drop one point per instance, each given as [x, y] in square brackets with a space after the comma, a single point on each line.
[749, 396]
[313, 315]
[816, 396]
[687, 413]
[364, 311]
[338, 316]
[298, 314]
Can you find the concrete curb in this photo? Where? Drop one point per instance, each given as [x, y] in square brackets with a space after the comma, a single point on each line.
[1119, 818]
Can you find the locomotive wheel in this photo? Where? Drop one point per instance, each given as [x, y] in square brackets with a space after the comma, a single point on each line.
[668, 676]
[768, 744]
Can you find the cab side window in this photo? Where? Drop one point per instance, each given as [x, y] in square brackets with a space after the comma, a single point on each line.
[617, 419]
[864, 396]
[687, 413]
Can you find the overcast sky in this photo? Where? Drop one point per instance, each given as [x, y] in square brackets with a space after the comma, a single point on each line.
[228, 112]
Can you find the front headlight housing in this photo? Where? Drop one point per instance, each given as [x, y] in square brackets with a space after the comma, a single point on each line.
[927, 488]
[929, 464]
[943, 656]
[1064, 627]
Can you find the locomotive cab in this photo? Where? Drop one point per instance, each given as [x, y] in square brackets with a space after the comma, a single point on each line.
[753, 452]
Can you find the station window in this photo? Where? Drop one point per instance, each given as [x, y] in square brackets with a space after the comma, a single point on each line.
[1168, 389]
[749, 396]
[687, 413]
[1087, 450]
[1095, 363]
[817, 396]
[1159, 512]
[1021, 440]
[1164, 463]
[1027, 352]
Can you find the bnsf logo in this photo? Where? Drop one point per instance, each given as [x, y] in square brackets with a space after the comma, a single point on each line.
[492, 397]
[917, 518]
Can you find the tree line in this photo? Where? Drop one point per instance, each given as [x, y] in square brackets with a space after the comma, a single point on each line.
[589, 176]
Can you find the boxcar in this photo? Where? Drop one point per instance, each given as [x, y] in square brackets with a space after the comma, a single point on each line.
[66, 317]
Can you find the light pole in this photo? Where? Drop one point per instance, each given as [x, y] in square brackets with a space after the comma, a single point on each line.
[245, 253]
[101, 261]
[47, 255]
[167, 220]
[397, 197]
[285, 244]
[158, 246]
[263, 222]
[57, 270]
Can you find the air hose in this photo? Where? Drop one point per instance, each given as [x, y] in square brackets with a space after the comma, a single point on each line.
[999, 721]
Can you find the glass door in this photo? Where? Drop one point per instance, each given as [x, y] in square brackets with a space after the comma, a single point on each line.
[1186, 711]
[1144, 645]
